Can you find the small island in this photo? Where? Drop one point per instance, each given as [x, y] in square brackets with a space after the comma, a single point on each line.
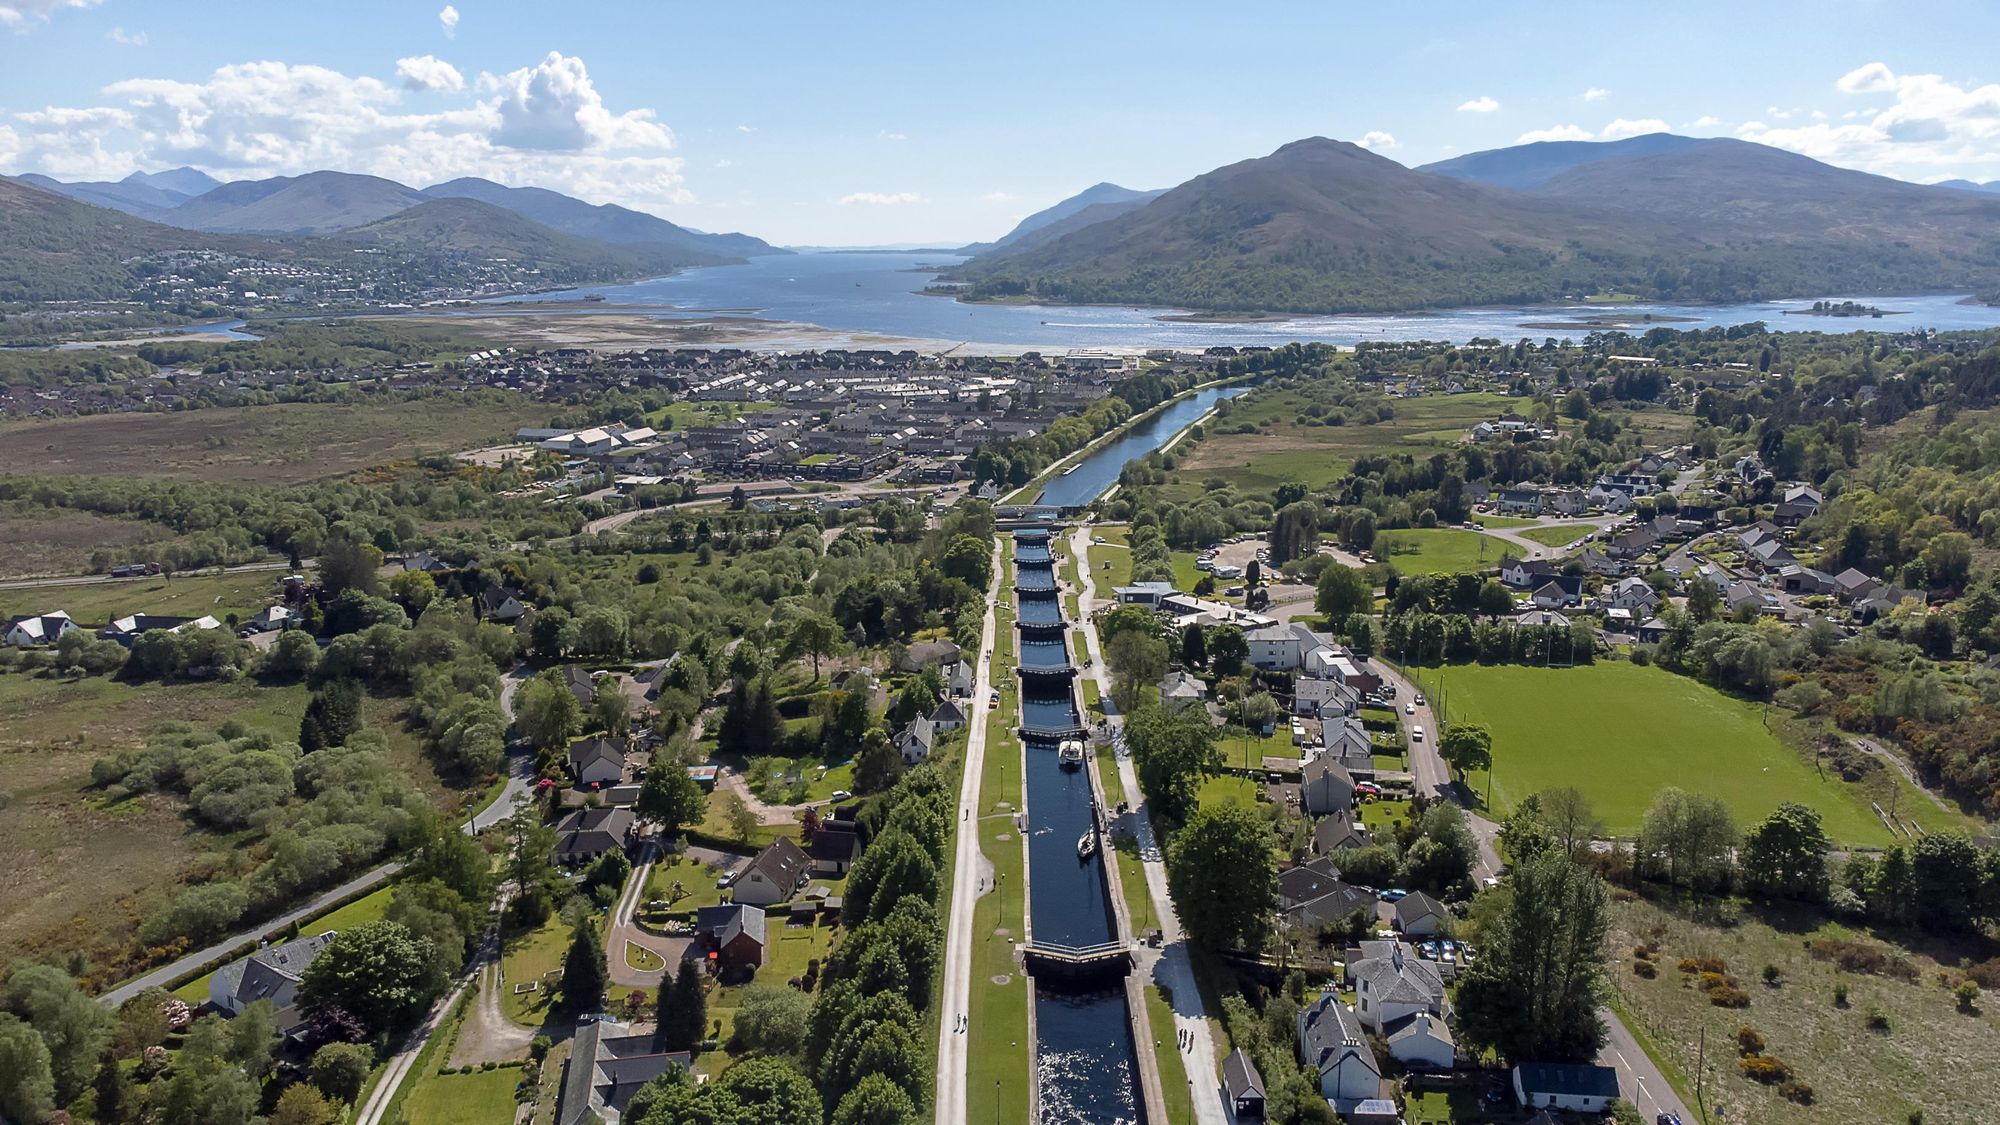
[1842, 308]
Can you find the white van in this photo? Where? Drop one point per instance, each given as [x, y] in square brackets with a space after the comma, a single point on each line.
[1416, 734]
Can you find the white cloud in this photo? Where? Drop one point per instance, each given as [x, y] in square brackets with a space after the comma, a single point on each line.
[998, 197]
[886, 135]
[126, 38]
[1623, 127]
[1376, 140]
[1596, 94]
[746, 128]
[448, 20]
[20, 14]
[1480, 104]
[1874, 78]
[1779, 114]
[428, 72]
[544, 125]
[1554, 133]
[722, 163]
[1705, 121]
[881, 198]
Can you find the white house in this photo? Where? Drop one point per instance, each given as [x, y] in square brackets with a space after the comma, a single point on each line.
[947, 716]
[1332, 1044]
[1316, 699]
[1577, 1087]
[1390, 982]
[1182, 689]
[916, 741]
[1327, 787]
[1421, 1039]
[1635, 595]
[37, 629]
[773, 875]
[597, 761]
[1275, 647]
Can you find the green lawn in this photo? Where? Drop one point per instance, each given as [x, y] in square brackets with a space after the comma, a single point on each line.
[697, 884]
[368, 908]
[190, 595]
[1556, 536]
[1110, 561]
[1170, 1061]
[528, 957]
[1447, 550]
[484, 1097]
[1226, 789]
[1621, 732]
[998, 1050]
[1249, 753]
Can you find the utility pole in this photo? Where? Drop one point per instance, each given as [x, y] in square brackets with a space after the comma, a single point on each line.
[1701, 1072]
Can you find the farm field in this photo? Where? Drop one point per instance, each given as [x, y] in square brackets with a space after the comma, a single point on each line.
[216, 594]
[1448, 550]
[1318, 456]
[1621, 732]
[1914, 1070]
[284, 443]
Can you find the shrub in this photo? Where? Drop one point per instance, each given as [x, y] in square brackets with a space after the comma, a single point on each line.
[1767, 1069]
[1799, 1092]
[539, 1049]
[1641, 953]
[1728, 996]
[1772, 974]
[1748, 1042]
[1840, 996]
[1690, 965]
[1862, 957]
[1968, 995]
[1645, 969]
[1878, 1020]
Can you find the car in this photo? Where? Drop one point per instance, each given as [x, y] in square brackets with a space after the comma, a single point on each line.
[1419, 700]
[1409, 708]
[1416, 734]
[1667, 1119]
[1490, 882]
[1393, 894]
[724, 880]
[840, 795]
[1097, 539]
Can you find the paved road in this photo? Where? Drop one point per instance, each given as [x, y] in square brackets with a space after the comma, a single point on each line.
[623, 929]
[1172, 970]
[1512, 535]
[970, 880]
[1639, 1081]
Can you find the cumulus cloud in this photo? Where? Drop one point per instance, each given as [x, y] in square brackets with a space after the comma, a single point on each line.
[1624, 127]
[1596, 94]
[1705, 121]
[448, 20]
[886, 135]
[1930, 129]
[1555, 133]
[126, 38]
[428, 72]
[997, 197]
[881, 198]
[1377, 140]
[21, 14]
[544, 125]
[746, 128]
[1480, 104]
[1874, 78]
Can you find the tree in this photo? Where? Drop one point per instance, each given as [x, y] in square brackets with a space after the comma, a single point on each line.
[1533, 994]
[769, 1091]
[875, 1100]
[1466, 747]
[1570, 819]
[683, 1011]
[1172, 749]
[1785, 855]
[75, 1027]
[1444, 852]
[415, 589]
[1228, 648]
[300, 1104]
[111, 1091]
[1945, 867]
[546, 712]
[601, 631]
[970, 560]
[611, 712]
[813, 635]
[737, 814]
[1686, 838]
[1255, 711]
[751, 724]
[584, 974]
[894, 865]
[878, 765]
[1494, 600]
[1219, 868]
[1342, 592]
[348, 564]
[339, 1069]
[293, 657]
[553, 634]
[27, 1091]
[332, 716]
[671, 799]
[1703, 600]
[770, 1020]
[1138, 661]
[1194, 646]
[378, 972]
[434, 912]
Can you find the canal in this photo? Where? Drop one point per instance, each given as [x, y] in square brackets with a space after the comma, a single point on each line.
[1086, 1062]
[1096, 473]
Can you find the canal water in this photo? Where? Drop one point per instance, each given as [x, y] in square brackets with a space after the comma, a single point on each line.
[1086, 1063]
[1095, 474]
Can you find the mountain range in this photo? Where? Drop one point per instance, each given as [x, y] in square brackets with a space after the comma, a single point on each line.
[1324, 226]
[1099, 201]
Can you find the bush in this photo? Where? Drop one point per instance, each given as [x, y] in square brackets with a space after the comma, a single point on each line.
[1862, 957]
[1764, 1068]
[1798, 1092]
[1729, 997]
[1840, 996]
[1878, 1020]
[1773, 974]
[1690, 965]
[1748, 1041]
[1967, 993]
[1646, 969]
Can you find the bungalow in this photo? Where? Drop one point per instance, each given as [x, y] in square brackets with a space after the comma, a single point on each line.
[1244, 1086]
[580, 683]
[1346, 740]
[272, 973]
[1805, 580]
[1541, 618]
[1772, 554]
[272, 618]
[597, 761]
[1633, 543]
[773, 875]
[125, 630]
[1559, 592]
[1603, 565]
[1801, 503]
[1145, 593]
[607, 1065]
[1567, 501]
[1307, 881]
[1182, 689]
[927, 654]
[1421, 1039]
[1328, 787]
[1420, 915]
[833, 851]
[1519, 501]
[37, 629]
[730, 936]
[1652, 631]
[1852, 585]
[1610, 498]
[1390, 982]
[498, 603]
[948, 716]
[1339, 830]
[588, 833]
[1577, 1087]
[1332, 1044]
[1339, 904]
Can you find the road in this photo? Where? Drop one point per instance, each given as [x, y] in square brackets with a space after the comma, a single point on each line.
[623, 929]
[398, 1068]
[969, 880]
[1639, 1080]
[1173, 971]
[520, 778]
[1584, 526]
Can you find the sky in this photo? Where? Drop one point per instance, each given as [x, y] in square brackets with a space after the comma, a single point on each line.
[940, 123]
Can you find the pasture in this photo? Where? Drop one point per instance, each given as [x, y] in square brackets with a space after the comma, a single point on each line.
[1447, 550]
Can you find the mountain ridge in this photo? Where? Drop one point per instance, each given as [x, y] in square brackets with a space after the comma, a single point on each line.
[1103, 194]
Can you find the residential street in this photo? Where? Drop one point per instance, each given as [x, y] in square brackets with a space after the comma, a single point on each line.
[1172, 970]
[971, 874]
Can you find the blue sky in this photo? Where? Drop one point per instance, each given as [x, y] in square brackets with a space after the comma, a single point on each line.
[945, 122]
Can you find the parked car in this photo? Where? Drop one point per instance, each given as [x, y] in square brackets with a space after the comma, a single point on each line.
[841, 795]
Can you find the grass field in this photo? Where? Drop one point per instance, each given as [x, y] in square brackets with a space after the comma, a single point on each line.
[188, 595]
[998, 1048]
[1110, 561]
[1555, 536]
[1621, 732]
[285, 443]
[1918, 1065]
[1447, 550]
[1318, 456]
[484, 1097]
